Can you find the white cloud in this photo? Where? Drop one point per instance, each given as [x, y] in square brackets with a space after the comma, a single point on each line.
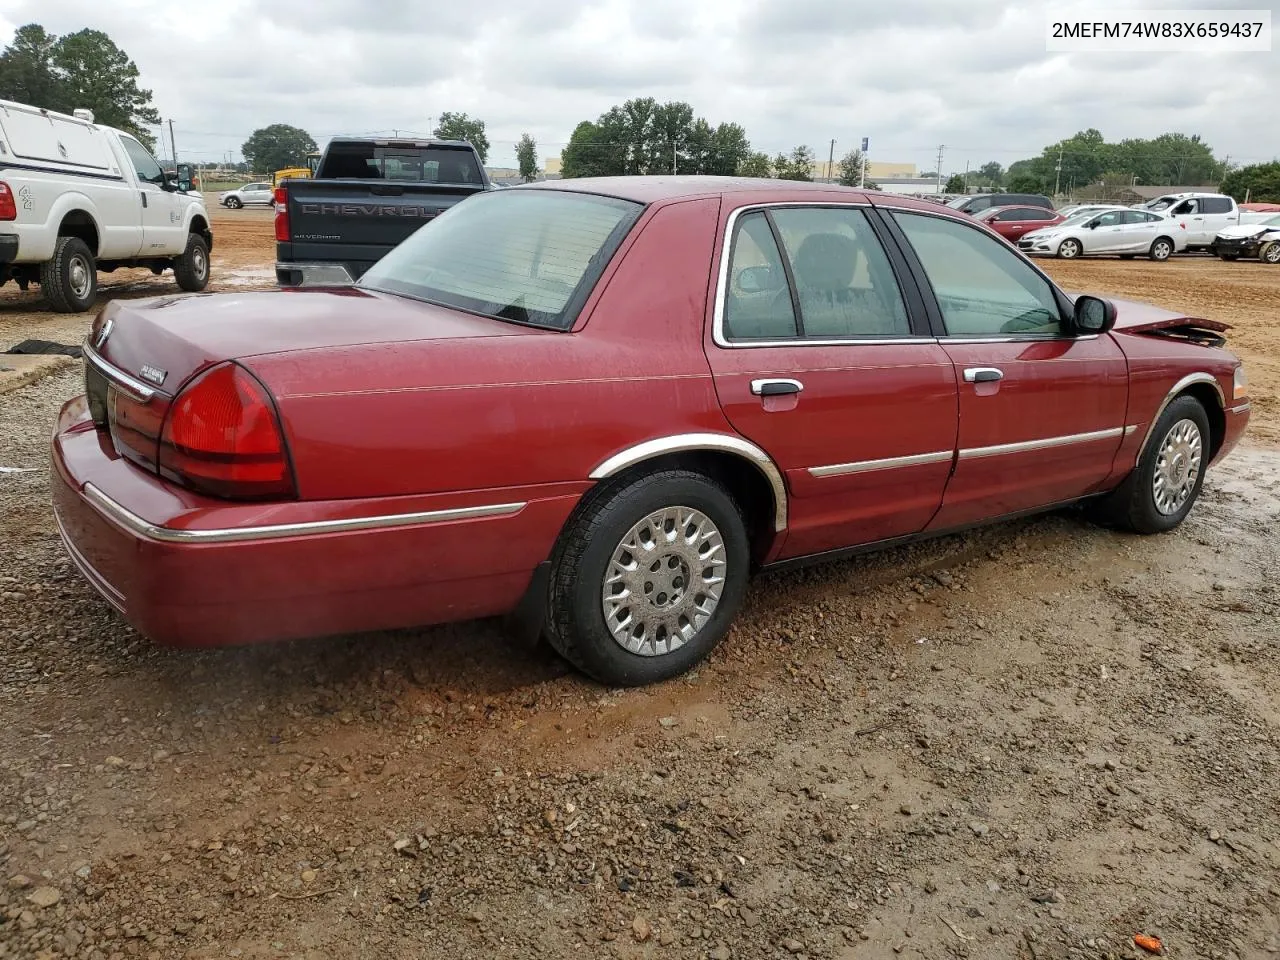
[910, 74]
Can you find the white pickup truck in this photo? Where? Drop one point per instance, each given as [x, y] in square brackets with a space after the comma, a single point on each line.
[76, 198]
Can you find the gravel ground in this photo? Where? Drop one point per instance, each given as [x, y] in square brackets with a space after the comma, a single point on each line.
[1036, 740]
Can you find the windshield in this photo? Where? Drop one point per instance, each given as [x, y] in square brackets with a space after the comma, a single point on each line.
[1164, 203]
[528, 256]
[959, 202]
[1271, 221]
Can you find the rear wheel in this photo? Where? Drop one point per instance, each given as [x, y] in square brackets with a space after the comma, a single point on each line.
[1270, 253]
[1070, 249]
[1161, 249]
[1164, 485]
[69, 280]
[647, 578]
[191, 270]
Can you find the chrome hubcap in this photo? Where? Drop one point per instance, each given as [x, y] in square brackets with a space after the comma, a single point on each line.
[1177, 466]
[664, 581]
[79, 277]
[1162, 251]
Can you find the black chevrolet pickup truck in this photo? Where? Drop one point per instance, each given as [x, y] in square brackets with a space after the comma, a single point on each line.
[367, 196]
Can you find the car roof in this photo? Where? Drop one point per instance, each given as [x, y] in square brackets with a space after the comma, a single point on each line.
[654, 189]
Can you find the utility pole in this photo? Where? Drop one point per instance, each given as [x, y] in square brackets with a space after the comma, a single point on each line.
[941, 147]
[831, 155]
[673, 158]
[966, 176]
[1226, 168]
[1057, 180]
[172, 149]
[862, 174]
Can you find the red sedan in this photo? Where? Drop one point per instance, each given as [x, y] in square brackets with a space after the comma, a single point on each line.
[603, 404]
[1012, 222]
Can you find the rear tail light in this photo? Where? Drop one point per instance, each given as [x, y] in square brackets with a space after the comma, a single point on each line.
[222, 438]
[8, 206]
[282, 214]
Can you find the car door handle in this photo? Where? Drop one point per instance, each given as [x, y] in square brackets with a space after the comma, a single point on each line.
[775, 388]
[982, 374]
[144, 198]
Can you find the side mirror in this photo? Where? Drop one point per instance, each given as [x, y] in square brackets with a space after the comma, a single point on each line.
[1094, 315]
[757, 280]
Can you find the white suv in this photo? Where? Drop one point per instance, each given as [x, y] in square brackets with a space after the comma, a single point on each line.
[248, 195]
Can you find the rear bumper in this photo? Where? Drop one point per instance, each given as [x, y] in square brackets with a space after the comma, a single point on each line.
[8, 248]
[193, 572]
[314, 275]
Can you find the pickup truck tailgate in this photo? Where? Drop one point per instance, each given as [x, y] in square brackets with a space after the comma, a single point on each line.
[356, 222]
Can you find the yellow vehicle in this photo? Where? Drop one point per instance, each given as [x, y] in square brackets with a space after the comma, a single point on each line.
[297, 173]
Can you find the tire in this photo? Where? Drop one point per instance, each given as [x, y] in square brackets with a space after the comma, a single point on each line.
[1270, 253]
[1070, 249]
[578, 626]
[191, 270]
[69, 281]
[1161, 249]
[234, 203]
[1135, 504]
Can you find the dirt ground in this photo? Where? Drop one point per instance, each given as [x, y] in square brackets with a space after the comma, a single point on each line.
[1035, 740]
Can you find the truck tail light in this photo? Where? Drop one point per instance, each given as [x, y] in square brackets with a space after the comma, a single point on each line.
[8, 206]
[282, 214]
[222, 437]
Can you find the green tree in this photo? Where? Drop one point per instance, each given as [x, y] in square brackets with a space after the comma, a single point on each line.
[643, 136]
[991, 174]
[84, 69]
[459, 126]
[527, 157]
[755, 165]
[587, 155]
[851, 168]
[26, 69]
[276, 147]
[955, 184]
[1260, 182]
[796, 166]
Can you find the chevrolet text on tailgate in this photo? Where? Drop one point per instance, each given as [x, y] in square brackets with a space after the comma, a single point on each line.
[601, 405]
[366, 197]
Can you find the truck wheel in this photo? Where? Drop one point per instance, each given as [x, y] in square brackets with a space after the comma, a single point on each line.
[191, 270]
[646, 580]
[69, 280]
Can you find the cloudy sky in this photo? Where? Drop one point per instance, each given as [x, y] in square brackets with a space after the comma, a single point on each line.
[973, 75]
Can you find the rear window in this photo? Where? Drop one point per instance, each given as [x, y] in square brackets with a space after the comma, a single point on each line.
[370, 161]
[528, 256]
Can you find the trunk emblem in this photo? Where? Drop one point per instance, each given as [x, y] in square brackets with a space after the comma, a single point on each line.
[152, 374]
[103, 333]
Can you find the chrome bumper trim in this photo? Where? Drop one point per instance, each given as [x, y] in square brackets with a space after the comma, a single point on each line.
[317, 274]
[131, 387]
[130, 522]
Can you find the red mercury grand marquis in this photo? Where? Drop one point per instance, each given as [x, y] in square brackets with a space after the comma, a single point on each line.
[604, 403]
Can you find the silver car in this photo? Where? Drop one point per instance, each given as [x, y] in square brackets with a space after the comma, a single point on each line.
[1125, 233]
[248, 195]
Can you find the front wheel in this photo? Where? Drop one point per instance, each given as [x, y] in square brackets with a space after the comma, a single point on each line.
[1270, 253]
[191, 270]
[1164, 485]
[1161, 249]
[1070, 249]
[69, 281]
[647, 578]
[233, 203]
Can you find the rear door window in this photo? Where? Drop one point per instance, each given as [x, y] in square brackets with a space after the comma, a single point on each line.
[1216, 205]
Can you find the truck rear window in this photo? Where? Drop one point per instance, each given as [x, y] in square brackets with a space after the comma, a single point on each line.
[528, 256]
[369, 161]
